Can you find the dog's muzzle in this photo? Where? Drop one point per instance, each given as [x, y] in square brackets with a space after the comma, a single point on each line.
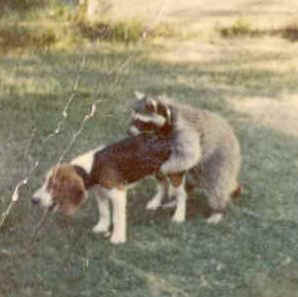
[36, 201]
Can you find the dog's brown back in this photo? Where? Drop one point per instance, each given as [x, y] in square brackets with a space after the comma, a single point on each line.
[130, 159]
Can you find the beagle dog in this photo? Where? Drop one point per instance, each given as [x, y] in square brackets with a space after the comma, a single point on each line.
[109, 171]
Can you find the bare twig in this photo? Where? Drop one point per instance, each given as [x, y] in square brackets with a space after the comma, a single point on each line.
[79, 131]
[15, 195]
[69, 101]
[87, 117]
[14, 200]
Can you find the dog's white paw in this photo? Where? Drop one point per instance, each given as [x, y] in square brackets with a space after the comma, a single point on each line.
[101, 228]
[215, 218]
[178, 218]
[153, 204]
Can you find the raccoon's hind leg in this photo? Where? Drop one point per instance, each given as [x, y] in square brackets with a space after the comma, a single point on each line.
[219, 177]
[218, 199]
[162, 189]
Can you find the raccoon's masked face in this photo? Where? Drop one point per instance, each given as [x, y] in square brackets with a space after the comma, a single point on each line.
[150, 115]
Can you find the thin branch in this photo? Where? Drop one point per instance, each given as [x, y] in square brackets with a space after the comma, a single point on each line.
[69, 101]
[15, 195]
[86, 118]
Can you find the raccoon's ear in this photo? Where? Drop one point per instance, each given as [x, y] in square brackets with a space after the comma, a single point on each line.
[139, 95]
[151, 105]
[169, 115]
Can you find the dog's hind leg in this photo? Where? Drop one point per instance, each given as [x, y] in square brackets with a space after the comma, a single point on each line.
[177, 183]
[162, 188]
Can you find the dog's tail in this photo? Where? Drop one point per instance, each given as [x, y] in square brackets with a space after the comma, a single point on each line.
[237, 192]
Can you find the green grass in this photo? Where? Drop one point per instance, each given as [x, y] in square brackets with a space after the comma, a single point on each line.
[26, 26]
[252, 253]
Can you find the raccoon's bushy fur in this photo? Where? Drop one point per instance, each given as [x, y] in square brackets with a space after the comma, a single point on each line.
[204, 144]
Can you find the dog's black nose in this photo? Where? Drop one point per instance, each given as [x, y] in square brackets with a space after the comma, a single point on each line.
[35, 200]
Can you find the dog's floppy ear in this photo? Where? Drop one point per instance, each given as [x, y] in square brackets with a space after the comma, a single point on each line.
[75, 195]
[78, 192]
[139, 95]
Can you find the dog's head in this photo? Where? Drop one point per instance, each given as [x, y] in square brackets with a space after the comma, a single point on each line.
[62, 190]
[150, 115]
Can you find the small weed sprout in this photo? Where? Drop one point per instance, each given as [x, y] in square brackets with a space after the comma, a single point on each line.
[241, 27]
[290, 32]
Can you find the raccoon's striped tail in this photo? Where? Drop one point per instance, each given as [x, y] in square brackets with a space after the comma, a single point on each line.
[237, 192]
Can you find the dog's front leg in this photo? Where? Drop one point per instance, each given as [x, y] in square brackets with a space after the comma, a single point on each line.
[118, 199]
[104, 222]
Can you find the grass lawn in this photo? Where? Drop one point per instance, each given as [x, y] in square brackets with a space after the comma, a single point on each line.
[251, 81]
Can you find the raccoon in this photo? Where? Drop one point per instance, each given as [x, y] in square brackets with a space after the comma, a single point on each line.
[203, 144]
